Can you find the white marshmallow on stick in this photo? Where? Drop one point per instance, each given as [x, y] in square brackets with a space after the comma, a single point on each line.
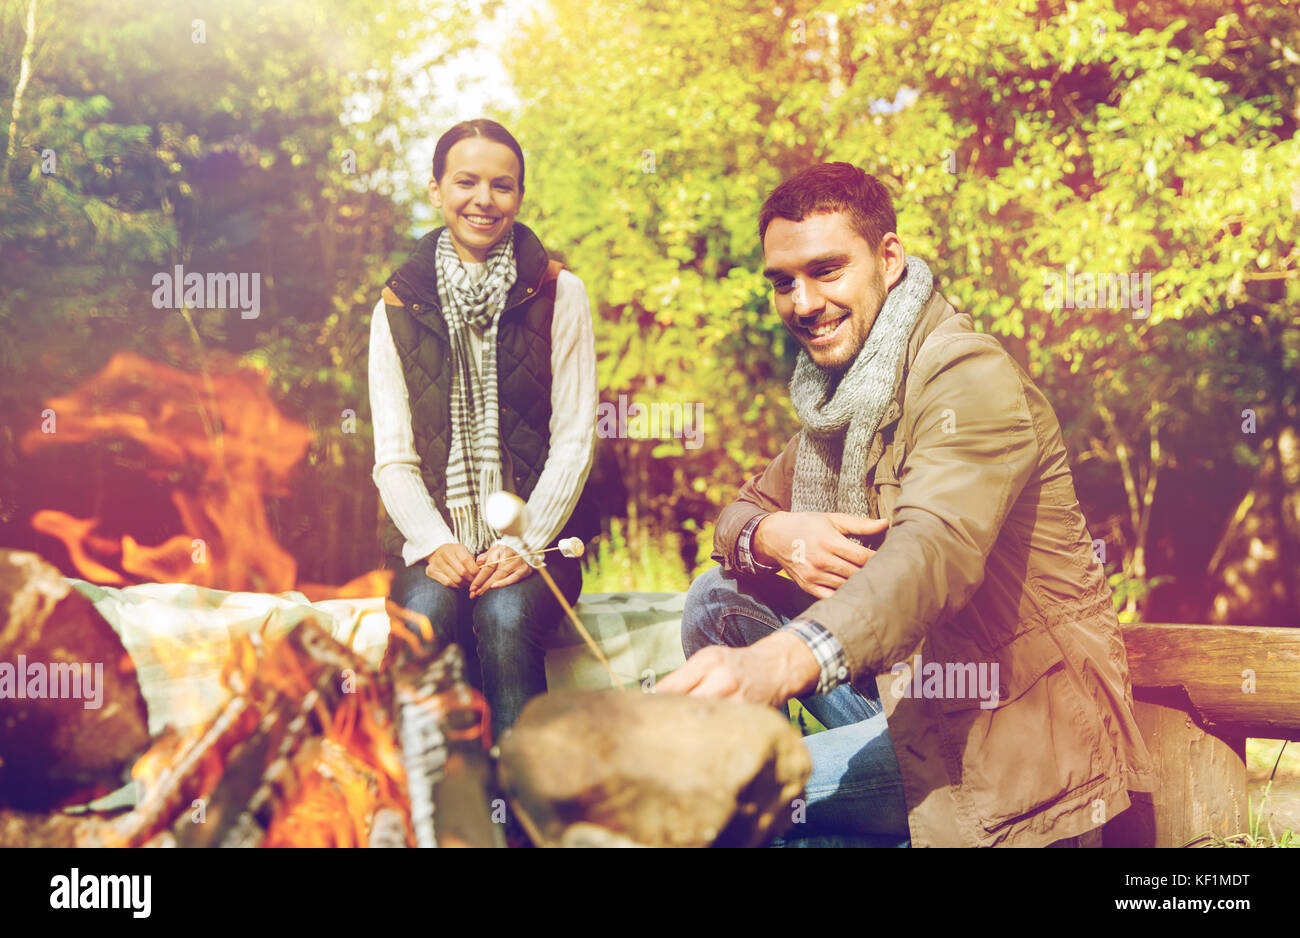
[508, 513]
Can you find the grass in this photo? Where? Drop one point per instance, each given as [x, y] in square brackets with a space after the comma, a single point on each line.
[1256, 836]
[628, 558]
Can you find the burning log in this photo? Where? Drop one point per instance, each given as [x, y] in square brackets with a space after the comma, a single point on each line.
[388, 829]
[301, 755]
[315, 749]
[71, 713]
[442, 725]
[302, 752]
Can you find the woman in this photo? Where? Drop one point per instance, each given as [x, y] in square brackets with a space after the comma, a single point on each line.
[482, 377]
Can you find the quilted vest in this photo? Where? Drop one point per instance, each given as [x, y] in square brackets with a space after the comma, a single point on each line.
[523, 373]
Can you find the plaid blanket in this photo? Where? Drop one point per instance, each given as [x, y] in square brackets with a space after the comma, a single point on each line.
[640, 634]
[179, 636]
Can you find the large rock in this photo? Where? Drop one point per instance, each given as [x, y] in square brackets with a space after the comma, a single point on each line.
[650, 769]
[54, 746]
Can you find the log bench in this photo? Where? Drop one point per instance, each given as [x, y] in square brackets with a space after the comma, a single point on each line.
[1199, 691]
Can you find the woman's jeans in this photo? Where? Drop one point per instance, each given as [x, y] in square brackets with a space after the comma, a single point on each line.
[503, 633]
[854, 796]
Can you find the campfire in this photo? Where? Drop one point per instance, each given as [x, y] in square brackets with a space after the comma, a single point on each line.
[311, 744]
[222, 435]
[296, 733]
[315, 750]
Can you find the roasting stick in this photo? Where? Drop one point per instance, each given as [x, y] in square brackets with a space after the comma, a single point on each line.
[568, 547]
[505, 513]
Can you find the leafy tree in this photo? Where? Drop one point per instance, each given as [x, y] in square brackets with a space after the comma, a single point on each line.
[238, 136]
[1021, 141]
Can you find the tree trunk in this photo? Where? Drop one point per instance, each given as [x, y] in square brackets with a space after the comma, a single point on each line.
[24, 75]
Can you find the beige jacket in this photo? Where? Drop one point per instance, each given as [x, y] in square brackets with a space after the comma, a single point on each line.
[987, 561]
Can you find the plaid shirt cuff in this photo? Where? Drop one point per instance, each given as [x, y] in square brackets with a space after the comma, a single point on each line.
[828, 651]
[745, 549]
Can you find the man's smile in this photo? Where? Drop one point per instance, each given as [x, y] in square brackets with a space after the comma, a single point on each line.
[825, 332]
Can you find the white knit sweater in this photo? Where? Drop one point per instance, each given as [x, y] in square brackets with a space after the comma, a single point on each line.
[572, 429]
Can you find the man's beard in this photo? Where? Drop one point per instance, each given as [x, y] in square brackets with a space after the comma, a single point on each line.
[875, 299]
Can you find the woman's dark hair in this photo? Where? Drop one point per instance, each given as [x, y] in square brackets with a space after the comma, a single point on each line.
[478, 127]
[833, 187]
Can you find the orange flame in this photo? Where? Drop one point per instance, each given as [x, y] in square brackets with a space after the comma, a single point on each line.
[342, 778]
[222, 428]
[232, 447]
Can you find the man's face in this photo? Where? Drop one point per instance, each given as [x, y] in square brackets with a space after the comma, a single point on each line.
[827, 284]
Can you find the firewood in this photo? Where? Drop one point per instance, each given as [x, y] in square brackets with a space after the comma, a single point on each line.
[86, 720]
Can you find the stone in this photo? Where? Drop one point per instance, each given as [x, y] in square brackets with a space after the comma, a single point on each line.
[657, 770]
[53, 745]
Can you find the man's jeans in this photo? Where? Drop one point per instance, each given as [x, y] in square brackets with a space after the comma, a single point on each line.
[504, 633]
[854, 797]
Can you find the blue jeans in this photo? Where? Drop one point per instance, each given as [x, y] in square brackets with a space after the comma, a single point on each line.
[854, 797]
[504, 633]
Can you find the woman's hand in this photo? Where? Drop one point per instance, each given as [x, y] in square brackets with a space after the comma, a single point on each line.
[498, 566]
[452, 565]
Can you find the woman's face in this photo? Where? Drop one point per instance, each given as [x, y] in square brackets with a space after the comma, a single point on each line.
[479, 195]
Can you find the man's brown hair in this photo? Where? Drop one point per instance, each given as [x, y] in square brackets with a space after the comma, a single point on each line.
[833, 187]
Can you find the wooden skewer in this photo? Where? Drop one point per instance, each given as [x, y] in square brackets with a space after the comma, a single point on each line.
[577, 624]
[504, 511]
[551, 550]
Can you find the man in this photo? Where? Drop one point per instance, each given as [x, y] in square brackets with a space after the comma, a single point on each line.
[943, 615]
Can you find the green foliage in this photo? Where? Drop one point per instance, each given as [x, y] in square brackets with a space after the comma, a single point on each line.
[1128, 590]
[651, 564]
[242, 136]
[1019, 140]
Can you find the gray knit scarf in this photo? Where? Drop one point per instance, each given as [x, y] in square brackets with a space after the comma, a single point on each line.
[474, 459]
[830, 469]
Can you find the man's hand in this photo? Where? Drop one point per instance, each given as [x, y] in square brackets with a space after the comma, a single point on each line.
[499, 566]
[770, 671]
[812, 548]
[452, 565]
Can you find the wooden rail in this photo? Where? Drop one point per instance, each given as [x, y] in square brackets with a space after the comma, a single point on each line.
[1199, 691]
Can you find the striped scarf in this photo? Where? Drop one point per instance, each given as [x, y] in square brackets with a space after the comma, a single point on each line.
[474, 459]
